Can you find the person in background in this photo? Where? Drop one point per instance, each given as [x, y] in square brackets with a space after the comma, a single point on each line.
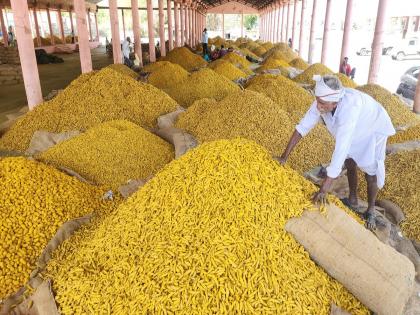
[126, 52]
[205, 42]
[223, 51]
[290, 42]
[72, 38]
[11, 36]
[215, 54]
[346, 69]
[361, 127]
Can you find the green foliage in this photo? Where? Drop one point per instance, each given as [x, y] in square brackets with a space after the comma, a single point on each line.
[250, 21]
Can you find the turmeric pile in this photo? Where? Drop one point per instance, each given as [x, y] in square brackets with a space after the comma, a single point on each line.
[206, 235]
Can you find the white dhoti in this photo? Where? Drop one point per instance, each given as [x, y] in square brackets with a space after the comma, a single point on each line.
[369, 156]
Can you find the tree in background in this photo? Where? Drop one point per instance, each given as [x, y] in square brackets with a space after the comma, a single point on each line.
[250, 21]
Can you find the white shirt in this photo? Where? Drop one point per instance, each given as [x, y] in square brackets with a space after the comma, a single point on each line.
[355, 125]
[205, 38]
[126, 48]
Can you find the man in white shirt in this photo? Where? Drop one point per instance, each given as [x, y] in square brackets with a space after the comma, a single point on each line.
[205, 42]
[360, 126]
[126, 52]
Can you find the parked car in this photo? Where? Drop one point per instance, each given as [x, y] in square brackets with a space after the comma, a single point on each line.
[406, 48]
[367, 50]
[407, 87]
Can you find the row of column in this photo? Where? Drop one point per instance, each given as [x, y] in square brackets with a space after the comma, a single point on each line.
[60, 25]
[184, 27]
[275, 25]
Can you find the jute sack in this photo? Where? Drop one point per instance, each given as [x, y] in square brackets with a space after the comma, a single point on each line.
[168, 120]
[181, 140]
[43, 140]
[399, 147]
[376, 274]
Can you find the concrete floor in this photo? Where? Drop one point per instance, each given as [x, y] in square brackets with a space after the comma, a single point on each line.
[52, 76]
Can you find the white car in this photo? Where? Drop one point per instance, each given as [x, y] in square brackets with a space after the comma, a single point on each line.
[406, 48]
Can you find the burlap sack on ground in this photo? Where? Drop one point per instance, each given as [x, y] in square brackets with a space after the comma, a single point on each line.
[335, 310]
[43, 140]
[399, 147]
[181, 140]
[392, 211]
[169, 119]
[41, 302]
[132, 186]
[381, 278]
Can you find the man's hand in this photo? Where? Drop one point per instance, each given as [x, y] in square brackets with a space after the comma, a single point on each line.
[321, 195]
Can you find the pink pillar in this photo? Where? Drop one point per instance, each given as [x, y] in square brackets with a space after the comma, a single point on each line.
[115, 31]
[223, 25]
[190, 27]
[416, 105]
[375, 60]
[123, 23]
[416, 26]
[312, 34]
[176, 17]
[50, 27]
[151, 31]
[170, 28]
[83, 36]
[270, 25]
[71, 21]
[294, 24]
[242, 24]
[182, 11]
[26, 52]
[96, 25]
[288, 20]
[187, 25]
[136, 30]
[90, 25]
[162, 29]
[38, 37]
[283, 22]
[60, 23]
[326, 37]
[278, 30]
[3, 28]
[302, 27]
[347, 29]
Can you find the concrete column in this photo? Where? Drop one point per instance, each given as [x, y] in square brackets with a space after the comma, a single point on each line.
[288, 22]
[26, 52]
[416, 105]
[345, 45]
[187, 25]
[38, 37]
[136, 30]
[151, 31]
[96, 25]
[407, 23]
[182, 11]
[375, 60]
[3, 28]
[71, 20]
[278, 17]
[242, 24]
[416, 27]
[170, 28]
[60, 24]
[177, 22]
[90, 25]
[190, 23]
[115, 31]
[223, 25]
[193, 34]
[312, 34]
[276, 23]
[162, 29]
[283, 24]
[294, 24]
[83, 36]
[270, 25]
[123, 23]
[50, 27]
[326, 37]
[302, 27]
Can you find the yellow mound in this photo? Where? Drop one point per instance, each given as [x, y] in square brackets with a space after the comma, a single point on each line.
[185, 58]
